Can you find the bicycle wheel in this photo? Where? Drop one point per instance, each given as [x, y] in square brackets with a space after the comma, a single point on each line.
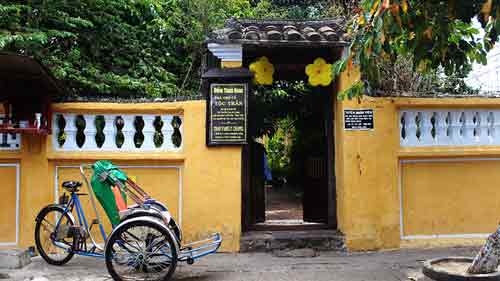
[139, 212]
[53, 245]
[141, 249]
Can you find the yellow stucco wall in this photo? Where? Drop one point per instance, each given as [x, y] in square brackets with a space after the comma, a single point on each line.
[200, 184]
[8, 196]
[445, 201]
[203, 185]
[161, 181]
[438, 198]
[367, 178]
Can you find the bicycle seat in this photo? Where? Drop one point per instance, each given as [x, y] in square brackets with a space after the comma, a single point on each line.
[72, 186]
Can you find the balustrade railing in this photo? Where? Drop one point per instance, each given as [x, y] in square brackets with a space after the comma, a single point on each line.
[449, 127]
[117, 132]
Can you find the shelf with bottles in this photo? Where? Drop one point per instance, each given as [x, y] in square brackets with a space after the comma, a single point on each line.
[36, 126]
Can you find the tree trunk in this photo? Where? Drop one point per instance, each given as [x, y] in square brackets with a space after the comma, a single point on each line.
[488, 258]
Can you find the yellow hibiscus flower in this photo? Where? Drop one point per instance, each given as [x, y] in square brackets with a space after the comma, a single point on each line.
[263, 71]
[319, 72]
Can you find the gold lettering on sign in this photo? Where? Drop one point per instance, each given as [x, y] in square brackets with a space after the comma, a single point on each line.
[228, 113]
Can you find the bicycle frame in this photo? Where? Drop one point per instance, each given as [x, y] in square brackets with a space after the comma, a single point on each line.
[75, 204]
[187, 253]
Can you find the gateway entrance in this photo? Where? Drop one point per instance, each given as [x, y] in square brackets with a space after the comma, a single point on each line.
[288, 175]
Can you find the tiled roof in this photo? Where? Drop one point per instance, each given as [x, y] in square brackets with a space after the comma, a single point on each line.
[279, 32]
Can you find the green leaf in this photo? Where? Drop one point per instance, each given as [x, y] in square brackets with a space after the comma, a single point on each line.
[339, 66]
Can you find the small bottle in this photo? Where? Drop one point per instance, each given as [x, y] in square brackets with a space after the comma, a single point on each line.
[38, 120]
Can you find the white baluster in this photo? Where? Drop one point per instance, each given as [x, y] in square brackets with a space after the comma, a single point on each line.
[440, 125]
[181, 131]
[411, 128]
[426, 128]
[55, 132]
[90, 132]
[167, 131]
[475, 132]
[70, 131]
[468, 132]
[495, 132]
[483, 137]
[454, 127]
[149, 132]
[128, 132]
[109, 133]
[402, 125]
[491, 124]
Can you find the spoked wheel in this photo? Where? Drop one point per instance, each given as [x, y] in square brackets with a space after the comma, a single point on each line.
[52, 244]
[141, 249]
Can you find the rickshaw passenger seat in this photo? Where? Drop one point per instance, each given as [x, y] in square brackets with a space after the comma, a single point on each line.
[72, 186]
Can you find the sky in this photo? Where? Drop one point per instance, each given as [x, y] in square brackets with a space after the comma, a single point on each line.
[486, 77]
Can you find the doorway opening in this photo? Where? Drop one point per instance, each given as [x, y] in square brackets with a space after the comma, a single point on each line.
[288, 162]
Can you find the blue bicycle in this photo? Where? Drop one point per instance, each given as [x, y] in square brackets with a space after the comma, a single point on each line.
[145, 243]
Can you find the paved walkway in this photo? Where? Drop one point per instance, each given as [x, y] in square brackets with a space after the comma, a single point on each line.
[373, 266]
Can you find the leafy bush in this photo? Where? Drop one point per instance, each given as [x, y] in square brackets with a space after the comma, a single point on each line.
[279, 145]
[399, 78]
[140, 48]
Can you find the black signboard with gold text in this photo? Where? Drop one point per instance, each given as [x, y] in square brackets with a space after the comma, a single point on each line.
[227, 114]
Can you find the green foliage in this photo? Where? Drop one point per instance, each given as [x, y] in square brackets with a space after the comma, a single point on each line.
[289, 114]
[292, 116]
[153, 48]
[436, 34]
[275, 102]
[301, 10]
[123, 48]
[116, 47]
[279, 145]
[105, 47]
[399, 78]
[277, 107]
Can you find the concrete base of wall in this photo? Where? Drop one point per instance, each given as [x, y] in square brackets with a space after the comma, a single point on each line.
[14, 259]
[270, 241]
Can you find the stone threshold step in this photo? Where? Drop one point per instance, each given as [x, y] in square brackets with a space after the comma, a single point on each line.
[14, 258]
[271, 241]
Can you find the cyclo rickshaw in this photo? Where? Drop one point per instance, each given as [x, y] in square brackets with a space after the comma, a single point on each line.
[145, 243]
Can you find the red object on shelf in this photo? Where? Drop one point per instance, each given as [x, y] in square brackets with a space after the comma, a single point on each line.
[32, 131]
[26, 88]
